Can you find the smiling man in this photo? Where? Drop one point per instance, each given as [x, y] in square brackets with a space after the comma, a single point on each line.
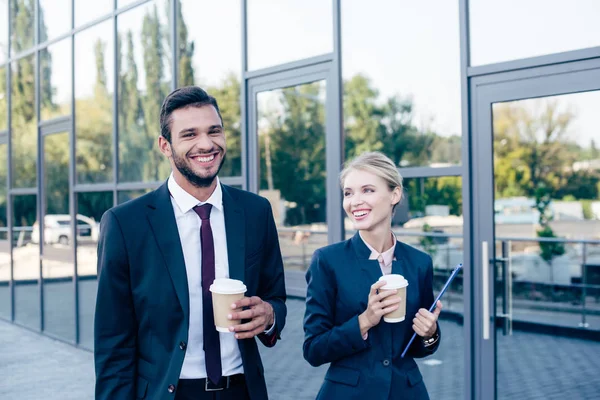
[154, 333]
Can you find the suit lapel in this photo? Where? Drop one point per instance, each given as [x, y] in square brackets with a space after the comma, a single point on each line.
[162, 220]
[235, 232]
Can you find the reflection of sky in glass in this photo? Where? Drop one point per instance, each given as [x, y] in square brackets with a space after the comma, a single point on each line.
[61, 71]
[284, 31]
[85, 58]
[408, 48]
[511, 29]
[89, 10]
[215, 28]
[3, 30]
[57, 16]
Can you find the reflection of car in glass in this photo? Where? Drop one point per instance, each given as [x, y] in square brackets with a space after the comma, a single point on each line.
[58, 229]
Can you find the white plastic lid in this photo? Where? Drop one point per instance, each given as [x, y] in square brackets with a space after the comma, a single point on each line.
[394, 281]
[227, 286]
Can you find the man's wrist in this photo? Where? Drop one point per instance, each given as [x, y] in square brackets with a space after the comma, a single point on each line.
[430, 341]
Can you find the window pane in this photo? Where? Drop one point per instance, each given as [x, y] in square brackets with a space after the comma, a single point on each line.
[221, 79]
[280, 32]
[3, 100]
[24, 123]
[533, 28]
[547, 149]
[291, 137]
[58, 262]
[3, 31]
[55, 18]
[144, 82]
[123, 3]
[91, 206]
[22, 25]
[5, 303]
[86, 11]
[94, 63]
[403, 102]
[26, 261]
[55, 80]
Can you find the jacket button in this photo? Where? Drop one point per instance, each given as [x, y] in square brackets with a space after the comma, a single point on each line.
[386, 363]
[182, 345]
[171, 388]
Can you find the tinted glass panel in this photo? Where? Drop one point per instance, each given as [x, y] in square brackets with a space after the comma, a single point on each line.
[533, 28]
[90, 206]
[54, 18]
[3, 30]
[291, 137]
[403, 102]
[55, 80]
[547, 225]
[94, 61]
[26, 261]
[221, 79]
[24, 123]
[57, 265]
[22, 25]
[280, 32]
[86, 11]
[144, 82]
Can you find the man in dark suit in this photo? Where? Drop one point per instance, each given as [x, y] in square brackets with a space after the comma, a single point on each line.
[154, 334]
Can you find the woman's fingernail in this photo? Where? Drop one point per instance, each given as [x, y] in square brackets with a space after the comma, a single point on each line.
[233, 306]
[229, 316]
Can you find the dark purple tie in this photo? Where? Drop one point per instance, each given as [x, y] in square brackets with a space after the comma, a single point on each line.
[212, 347]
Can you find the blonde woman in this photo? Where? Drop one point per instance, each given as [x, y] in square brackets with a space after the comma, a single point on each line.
[343, 323]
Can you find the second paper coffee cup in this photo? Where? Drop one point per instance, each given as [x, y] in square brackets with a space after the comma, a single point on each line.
[395, 282]
[225, 292]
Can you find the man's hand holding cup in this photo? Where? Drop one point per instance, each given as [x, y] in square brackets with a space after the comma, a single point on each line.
[259, 312]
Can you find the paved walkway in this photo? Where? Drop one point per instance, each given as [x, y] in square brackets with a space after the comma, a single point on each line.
[531, 366]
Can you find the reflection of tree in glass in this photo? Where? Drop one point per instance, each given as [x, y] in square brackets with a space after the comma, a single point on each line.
[94, 127]
[297, 152]
[56, 173]
[23, 23]
[94, 204]
[24, 123]
[139, 109]
[386, 125]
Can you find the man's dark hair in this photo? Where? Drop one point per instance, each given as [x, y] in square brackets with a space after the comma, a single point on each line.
[188, 96]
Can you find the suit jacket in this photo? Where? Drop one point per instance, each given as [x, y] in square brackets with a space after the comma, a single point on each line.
[142, 306]
[339, 281]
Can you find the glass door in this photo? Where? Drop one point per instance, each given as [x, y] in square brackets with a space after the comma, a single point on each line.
[292, 161]
[537, 233]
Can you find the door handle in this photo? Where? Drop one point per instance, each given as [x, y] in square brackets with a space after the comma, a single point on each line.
[485, 285]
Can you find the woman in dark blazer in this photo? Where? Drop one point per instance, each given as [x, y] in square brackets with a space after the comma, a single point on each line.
[343, 323]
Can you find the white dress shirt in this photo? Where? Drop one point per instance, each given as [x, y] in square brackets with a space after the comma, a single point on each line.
[188, 225]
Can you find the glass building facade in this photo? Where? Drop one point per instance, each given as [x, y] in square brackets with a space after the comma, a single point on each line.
[487, 108]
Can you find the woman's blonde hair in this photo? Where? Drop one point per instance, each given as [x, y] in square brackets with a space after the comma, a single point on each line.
[376, 163]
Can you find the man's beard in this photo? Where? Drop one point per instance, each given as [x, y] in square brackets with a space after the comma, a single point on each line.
[190, 175]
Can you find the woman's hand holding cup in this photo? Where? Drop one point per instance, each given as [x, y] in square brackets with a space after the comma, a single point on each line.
[378, 306]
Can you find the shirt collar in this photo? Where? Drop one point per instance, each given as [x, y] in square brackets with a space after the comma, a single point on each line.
[387, 255]
[186, 201]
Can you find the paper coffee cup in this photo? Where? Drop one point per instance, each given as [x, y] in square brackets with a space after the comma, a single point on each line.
[225, 292]
[395, 282]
